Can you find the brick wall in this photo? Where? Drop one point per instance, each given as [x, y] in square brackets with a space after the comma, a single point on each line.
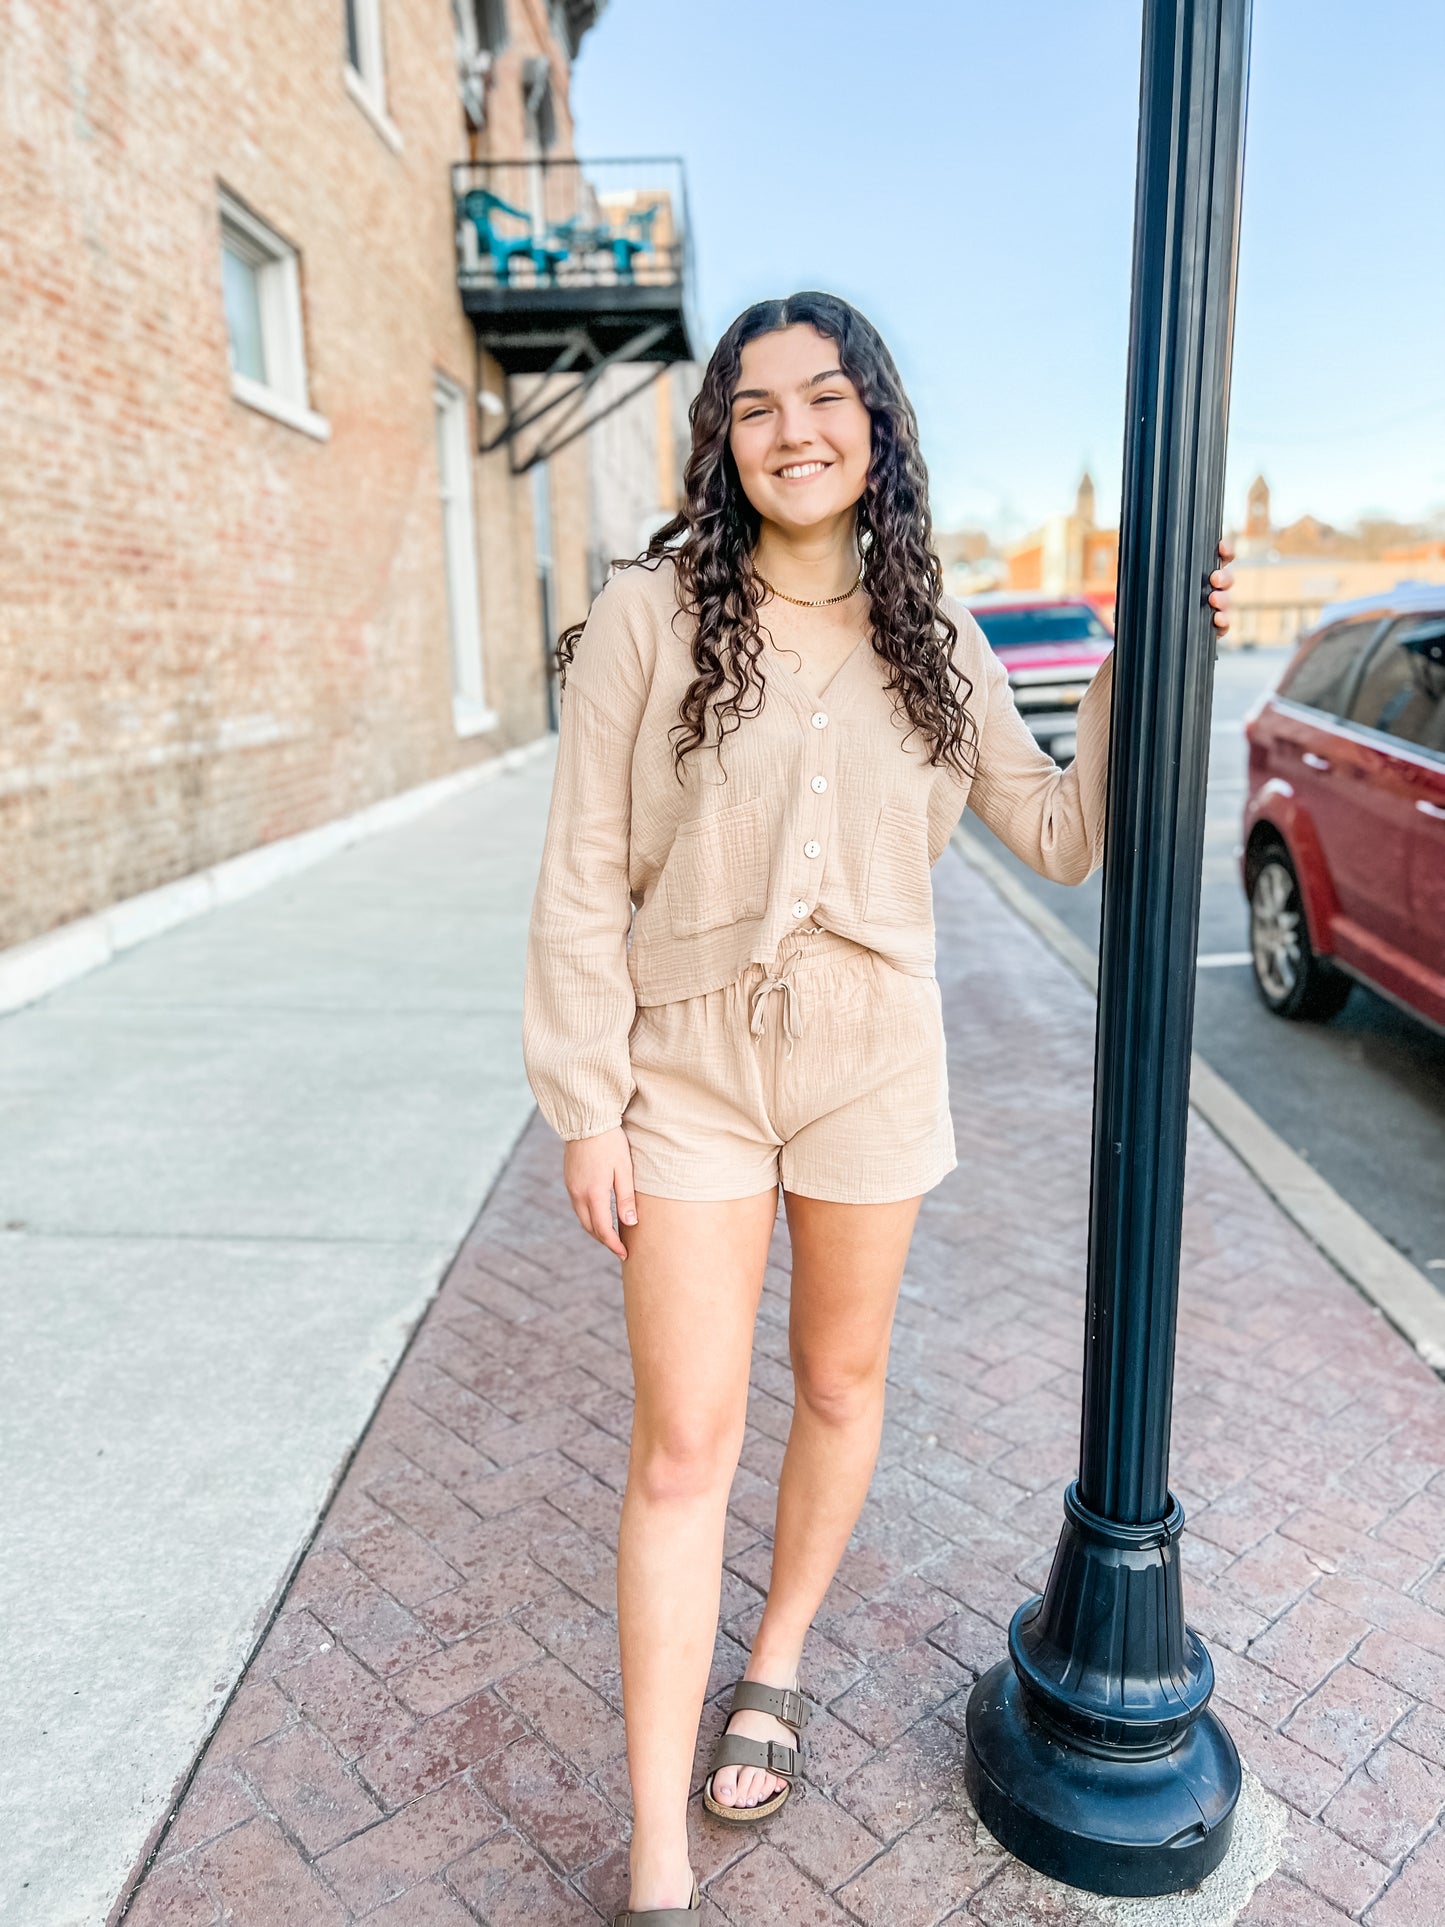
[216, 630]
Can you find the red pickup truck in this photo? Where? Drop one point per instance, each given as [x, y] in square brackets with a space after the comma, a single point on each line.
[1052, 647]
[1344, 827]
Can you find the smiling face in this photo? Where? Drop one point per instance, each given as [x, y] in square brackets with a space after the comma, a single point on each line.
[800, 435]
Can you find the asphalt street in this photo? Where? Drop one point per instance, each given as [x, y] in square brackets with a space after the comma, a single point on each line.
[1362, 1097]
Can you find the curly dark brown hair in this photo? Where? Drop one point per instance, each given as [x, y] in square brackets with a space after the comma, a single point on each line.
[711, 543]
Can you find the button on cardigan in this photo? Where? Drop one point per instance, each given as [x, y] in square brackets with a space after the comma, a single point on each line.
[819, 807]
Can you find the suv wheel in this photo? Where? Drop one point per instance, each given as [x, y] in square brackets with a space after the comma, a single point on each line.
[1292, 980]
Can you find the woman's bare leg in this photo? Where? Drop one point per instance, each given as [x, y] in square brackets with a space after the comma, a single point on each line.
[847, 1266]
[691, 1282]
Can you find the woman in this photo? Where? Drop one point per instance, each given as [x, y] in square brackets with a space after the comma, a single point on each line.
[770, 726]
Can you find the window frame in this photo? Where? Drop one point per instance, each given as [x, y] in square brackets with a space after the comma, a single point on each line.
[452, 421]
[483, 25]
[1388, 639]
[365, 77]
[1352, 681]
[541, 129]
[481, 33]
[283, 394]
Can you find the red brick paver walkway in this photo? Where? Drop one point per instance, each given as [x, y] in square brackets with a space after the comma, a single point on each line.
[430, 1735]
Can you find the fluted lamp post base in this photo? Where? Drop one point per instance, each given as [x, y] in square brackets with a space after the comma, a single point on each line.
[1092, 1754]
[1111, 1826]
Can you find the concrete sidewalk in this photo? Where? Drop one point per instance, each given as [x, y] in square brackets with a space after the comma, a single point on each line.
[237, 1161]
[430, 1735]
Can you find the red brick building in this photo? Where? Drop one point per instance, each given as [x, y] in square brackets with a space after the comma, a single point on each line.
[255, 575]
[1069, 555]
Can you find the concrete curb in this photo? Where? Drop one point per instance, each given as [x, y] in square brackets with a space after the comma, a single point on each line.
[1357, 1251]
[32, 970]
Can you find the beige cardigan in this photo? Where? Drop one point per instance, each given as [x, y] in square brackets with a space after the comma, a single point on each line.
[818, 810]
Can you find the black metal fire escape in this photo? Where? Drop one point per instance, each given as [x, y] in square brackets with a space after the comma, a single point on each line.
[569, 269]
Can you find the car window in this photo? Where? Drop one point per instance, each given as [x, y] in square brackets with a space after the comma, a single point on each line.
[1402, 691]
[1320, 677]
[1007, 628]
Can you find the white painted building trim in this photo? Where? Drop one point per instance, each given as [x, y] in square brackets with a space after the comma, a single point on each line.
[267, 401]
[472, 719]
[281, 388]
[29, 971]
[453, 418]
[374, 111]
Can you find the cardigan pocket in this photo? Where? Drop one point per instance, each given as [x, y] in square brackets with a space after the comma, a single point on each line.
[717, 871]
[899, 891]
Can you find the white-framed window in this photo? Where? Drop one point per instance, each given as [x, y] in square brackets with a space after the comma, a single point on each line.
[261, 290]
[480, 33]
[366, 66]
[546, 578]
[459, 548]
[538, 105]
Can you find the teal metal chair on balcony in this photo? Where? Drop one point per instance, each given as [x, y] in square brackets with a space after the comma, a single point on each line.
[481, 207]
[624, 252]
[578, 237]
[635, 239]
[575, 239]
[624, 244]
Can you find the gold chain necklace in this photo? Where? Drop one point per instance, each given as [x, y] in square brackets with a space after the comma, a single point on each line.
[801, 602]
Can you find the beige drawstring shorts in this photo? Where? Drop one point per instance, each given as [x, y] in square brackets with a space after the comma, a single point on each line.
[825, 1074]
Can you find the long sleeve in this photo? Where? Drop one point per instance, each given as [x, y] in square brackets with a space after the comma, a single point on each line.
[578, 1000]
[1051, 818]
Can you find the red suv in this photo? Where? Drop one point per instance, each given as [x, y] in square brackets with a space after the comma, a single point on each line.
[1344, 829]
[1051, 646]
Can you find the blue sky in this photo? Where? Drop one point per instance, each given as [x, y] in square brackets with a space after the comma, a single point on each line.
[964, 173]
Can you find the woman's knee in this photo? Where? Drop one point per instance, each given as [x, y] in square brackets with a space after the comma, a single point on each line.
[839, 1391]
[684, 1456]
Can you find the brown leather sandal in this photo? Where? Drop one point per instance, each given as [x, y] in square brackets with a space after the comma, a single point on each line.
[663, 1916]
[785, 1703]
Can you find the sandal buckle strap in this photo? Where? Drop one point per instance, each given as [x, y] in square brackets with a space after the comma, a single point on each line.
[785, 1703]
[768, 1756]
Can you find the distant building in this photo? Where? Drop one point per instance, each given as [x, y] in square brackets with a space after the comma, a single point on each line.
[1070, 556]
[970, 561]
[274, 276]
[1256, 529]
[1285, 576]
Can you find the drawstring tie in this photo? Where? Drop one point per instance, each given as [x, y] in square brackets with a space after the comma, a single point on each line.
[783, 980]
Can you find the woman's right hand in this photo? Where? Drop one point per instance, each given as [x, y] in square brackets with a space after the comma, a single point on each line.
[593, 1169]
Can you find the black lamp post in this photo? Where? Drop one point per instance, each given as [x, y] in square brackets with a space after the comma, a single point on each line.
[1092, 1755]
